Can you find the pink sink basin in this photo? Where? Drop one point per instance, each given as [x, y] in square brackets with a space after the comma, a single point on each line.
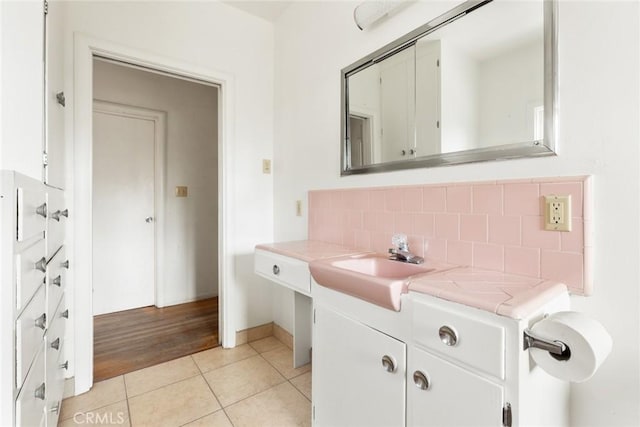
[370, 277]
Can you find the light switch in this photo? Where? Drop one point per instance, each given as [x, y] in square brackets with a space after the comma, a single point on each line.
[266, 166]
[181, 191]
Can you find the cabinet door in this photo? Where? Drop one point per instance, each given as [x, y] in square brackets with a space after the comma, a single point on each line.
[453, 396]
[21, 28]
[55, 143]
[351, 387]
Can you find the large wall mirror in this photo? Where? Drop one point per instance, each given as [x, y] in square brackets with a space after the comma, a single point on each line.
[477, 83]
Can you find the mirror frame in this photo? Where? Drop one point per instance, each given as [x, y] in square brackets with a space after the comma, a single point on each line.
[545, 147]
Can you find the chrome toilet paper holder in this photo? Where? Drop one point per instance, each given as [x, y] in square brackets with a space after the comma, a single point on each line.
[558, 349]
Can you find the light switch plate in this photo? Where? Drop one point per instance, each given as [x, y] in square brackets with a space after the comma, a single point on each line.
[182, 191]
[557, 213]
[266, 166]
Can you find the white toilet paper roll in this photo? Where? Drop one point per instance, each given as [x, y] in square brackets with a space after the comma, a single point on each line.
[588, 342]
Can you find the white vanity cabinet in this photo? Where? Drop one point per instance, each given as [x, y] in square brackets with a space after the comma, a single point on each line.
[455, 365]
[33, 312]
[293, 274]
[358, 373]
[455, 356]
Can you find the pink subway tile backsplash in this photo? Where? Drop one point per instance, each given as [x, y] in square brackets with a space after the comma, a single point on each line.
[493, 225]
[473, 228]
[487, 199]
[459, 199]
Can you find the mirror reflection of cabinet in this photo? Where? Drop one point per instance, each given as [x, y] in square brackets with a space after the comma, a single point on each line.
[477, 83]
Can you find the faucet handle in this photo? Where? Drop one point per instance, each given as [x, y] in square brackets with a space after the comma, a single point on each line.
[399, 240]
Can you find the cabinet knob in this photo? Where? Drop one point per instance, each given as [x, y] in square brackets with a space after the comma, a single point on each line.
[65, 365]
[403, 152]
[65, 264]
[56, 215]
[448, 335]
[65, 314]
[55, 408]
[389, 363]
[42, 210]
[40, 392]
[413, 151]
[41, 265]
[57, 281]
[276, 269]
[41, 322]
[421, 380]
[56, 344]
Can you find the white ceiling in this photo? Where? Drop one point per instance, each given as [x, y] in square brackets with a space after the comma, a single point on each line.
[265, 9]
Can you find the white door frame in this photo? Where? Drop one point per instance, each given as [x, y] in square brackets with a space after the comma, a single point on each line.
[80, 237]
[159, 118]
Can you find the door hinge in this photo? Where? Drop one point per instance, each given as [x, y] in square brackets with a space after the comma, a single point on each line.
[438, 124]
[437, 62]
[45, 159]
[506, 415]
[314, 316]
[46, 7]
[313, 412]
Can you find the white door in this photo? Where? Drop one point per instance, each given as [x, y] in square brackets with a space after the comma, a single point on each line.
[123, 212]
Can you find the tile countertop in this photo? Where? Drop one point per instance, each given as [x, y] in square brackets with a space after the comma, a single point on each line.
[505, 294]
[309, 250]
[501, 293]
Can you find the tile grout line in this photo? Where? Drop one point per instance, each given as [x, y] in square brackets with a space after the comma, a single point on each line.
[126, 394]
[212, 392]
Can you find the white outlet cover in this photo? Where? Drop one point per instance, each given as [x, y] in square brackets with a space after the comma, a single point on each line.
[557, 212]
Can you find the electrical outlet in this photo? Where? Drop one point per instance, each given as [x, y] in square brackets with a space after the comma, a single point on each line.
[557, 213]
[298, 207]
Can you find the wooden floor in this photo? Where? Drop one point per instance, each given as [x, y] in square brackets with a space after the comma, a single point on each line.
[134, 339]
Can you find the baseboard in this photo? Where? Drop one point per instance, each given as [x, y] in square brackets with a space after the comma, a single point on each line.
[282, 335]
[187, 300]
[254, 334]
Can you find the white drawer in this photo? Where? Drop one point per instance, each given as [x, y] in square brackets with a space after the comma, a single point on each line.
[30, 272]
[56, 220]
[30, 327]
[283, 270]
[476, 341]
[56, 279]
[30, 405]
[56, 365]
[32, 212]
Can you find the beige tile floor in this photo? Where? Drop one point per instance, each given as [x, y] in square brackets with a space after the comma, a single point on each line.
[253, 384]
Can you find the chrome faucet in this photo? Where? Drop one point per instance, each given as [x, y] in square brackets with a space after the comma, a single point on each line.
[401, 251]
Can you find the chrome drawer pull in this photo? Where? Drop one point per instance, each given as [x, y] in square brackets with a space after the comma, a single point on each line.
[65, 365]
[65, 314]
[41, 322]
[448, 335]
[57, 281]
[56, 344]
[421, 380]
[65, 213]
[42, 210]
[41, 265]
[65, 264]
[276, 269]
[389, 363]
[56, 408]
[56, 215]
[40, 392]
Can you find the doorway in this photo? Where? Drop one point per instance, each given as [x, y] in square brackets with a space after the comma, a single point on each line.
[154, 208]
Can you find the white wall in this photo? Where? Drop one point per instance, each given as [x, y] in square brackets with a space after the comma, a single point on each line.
[190, 223]
[504, 81]
[215, 36]
[598, 118]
